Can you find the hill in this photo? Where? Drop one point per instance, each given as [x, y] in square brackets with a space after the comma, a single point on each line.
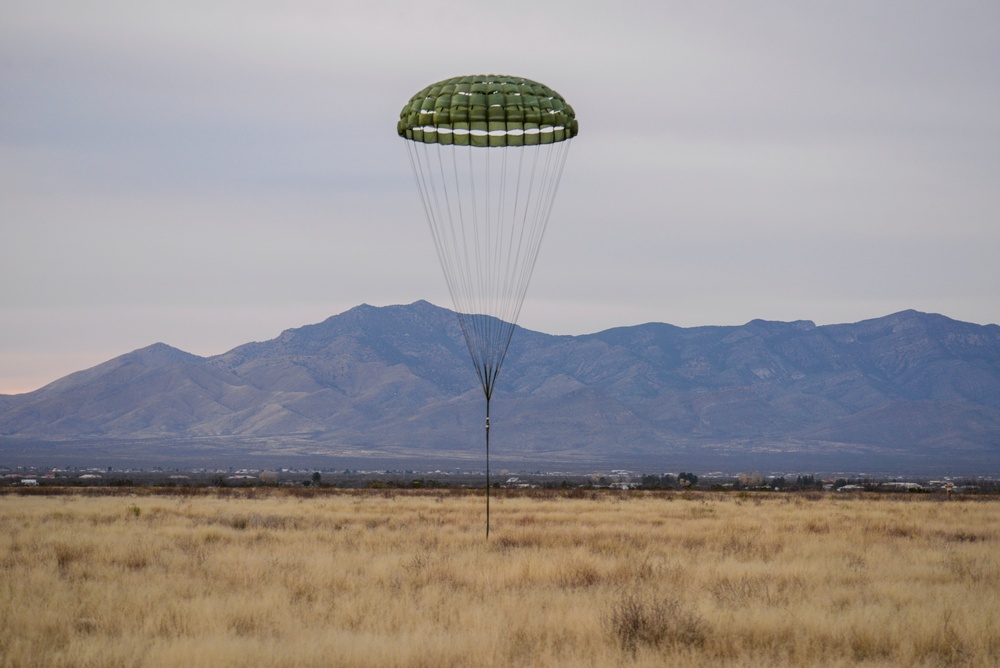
[394, 385]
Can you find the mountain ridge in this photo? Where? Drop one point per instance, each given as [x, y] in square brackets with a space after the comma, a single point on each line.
[396, 382]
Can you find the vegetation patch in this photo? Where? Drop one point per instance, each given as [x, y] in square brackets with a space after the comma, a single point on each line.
[641, 620]
[270, 577]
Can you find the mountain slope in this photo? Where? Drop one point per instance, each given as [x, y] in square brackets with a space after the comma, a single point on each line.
[912, 389]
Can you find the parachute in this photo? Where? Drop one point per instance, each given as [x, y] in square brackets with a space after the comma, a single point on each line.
[488, 153]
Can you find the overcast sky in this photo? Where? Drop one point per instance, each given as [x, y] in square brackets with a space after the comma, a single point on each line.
[211, 173]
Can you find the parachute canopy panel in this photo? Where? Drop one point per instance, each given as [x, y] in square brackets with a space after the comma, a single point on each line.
[487, 110]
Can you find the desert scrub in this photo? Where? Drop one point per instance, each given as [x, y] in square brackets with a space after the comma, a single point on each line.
[654, 622]
[380, 577]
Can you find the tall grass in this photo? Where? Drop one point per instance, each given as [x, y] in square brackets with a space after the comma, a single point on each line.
[265, 578]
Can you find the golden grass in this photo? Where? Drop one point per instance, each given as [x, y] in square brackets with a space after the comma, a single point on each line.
[266, 578]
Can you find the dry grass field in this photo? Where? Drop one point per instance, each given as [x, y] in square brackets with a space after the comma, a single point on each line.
[260, 577]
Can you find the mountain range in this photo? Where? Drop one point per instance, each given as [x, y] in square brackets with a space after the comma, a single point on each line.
[387, 386]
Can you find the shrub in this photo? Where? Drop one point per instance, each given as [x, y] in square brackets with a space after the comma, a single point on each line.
[635, 620]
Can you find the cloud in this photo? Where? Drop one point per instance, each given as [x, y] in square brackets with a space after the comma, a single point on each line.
[777, 159]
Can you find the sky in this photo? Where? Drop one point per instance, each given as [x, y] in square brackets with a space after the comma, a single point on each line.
[206, 174]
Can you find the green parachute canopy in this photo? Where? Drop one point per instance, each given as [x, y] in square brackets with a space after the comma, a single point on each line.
[487, 110]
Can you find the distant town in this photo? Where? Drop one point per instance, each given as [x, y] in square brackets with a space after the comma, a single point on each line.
[614, 479]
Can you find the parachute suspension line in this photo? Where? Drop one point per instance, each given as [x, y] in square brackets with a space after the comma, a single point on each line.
[528, 229]
[534, 221]
[464, 297]
[447, 232]
[552, 176]
[476, 302]
[431, 196]
[488, 210]
[447, 229]
[421, 188]
[507, 287]
[455, 268]
[462, 274]
[494, 218]
[509, 283]
[486, 305]
[443, 234]
[495, 212]
[487, 273]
